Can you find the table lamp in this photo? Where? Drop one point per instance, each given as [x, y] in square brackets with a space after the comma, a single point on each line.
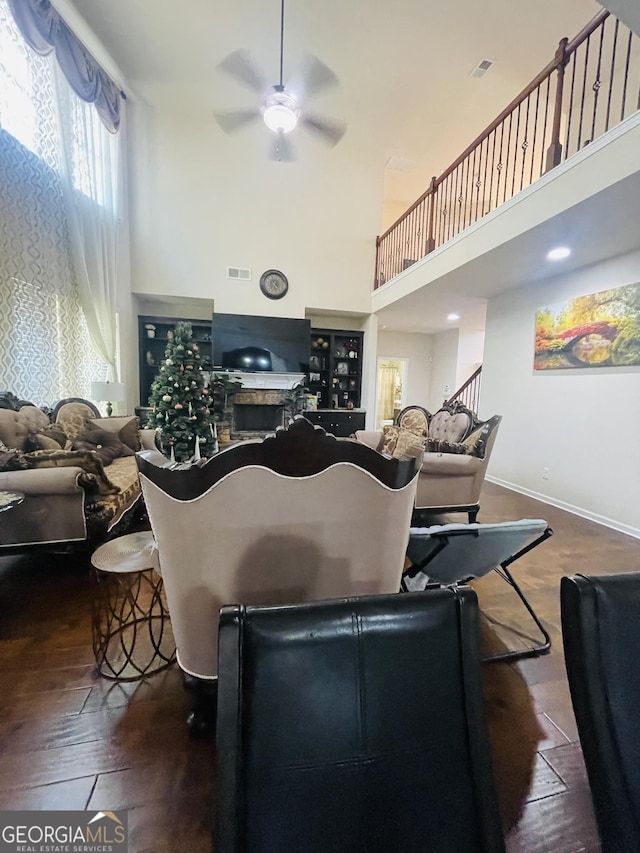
[108, 392]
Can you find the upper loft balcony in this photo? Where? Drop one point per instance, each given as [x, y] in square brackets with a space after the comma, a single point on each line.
[571, 135]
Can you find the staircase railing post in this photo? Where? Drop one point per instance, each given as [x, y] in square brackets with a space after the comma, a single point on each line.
[376, 282]
[433, 189]
[554, 152]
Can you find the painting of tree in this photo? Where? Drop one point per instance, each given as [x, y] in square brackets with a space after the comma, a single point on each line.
[598, 330]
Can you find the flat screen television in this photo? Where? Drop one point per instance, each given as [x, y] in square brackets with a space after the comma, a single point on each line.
[260, 344]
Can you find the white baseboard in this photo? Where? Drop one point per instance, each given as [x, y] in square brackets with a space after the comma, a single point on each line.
[575, 510]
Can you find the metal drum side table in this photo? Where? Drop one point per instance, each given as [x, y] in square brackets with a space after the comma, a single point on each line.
[132, 635]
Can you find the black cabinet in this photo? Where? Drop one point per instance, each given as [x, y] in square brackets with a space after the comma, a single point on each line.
[335, 368]
[152, 341]
[339, 423]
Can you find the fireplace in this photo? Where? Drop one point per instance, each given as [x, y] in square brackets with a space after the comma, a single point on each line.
[257, 418]
[257, 412]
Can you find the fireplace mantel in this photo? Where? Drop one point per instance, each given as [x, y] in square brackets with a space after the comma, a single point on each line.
[277, 381]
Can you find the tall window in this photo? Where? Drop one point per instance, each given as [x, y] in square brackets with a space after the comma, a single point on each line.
[45, 349]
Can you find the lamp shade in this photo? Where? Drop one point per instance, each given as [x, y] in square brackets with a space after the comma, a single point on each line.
[107, 392]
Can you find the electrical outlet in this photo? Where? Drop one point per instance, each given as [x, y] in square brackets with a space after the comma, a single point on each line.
[545, 473]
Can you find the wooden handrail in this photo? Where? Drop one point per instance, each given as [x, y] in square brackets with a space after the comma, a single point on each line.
[476, 373]
[560, 59]
[586, 31]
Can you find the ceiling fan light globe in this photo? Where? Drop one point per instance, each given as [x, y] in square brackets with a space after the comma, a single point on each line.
[280, 118]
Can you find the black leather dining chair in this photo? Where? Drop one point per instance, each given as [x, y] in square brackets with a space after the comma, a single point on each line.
[354, 725]
[601, 635]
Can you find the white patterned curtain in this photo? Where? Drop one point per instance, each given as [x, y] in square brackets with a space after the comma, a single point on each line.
[59, 228]
[92, 174]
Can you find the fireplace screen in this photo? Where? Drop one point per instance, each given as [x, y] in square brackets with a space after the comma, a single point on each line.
[256, 418]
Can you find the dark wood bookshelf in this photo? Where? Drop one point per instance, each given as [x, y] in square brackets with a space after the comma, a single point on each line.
[152, 349]
[335, 368]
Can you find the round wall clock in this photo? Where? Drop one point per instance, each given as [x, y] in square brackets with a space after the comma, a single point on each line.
[274, 284]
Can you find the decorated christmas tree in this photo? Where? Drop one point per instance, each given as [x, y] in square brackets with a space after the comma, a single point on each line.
[181, 404]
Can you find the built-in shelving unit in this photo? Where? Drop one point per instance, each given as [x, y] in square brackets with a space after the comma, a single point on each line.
[152, 340]
[335, 368]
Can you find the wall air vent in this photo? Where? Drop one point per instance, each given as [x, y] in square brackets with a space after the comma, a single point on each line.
[481, 68]
[239, 274]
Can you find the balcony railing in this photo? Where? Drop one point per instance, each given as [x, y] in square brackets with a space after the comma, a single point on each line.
[591, 84]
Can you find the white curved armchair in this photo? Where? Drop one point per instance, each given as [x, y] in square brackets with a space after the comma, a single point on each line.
[299, 516]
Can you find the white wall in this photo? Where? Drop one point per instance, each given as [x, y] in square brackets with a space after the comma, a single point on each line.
[202, 201]
[581, 424]
[444, 367]
[416, 349]
[369, 369]
[470, 354]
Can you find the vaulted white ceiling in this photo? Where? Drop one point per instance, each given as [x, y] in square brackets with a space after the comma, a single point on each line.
[403, 66]
[405, 87]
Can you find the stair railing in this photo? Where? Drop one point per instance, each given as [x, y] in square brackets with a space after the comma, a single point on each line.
[469, 392]
[597, 85]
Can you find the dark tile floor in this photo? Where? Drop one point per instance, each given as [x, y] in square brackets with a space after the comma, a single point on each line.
[70, 739]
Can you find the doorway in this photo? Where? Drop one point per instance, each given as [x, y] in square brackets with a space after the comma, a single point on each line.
[391, 387]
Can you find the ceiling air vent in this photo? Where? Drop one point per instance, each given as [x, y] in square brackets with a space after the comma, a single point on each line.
[238, 274]
[481, 68]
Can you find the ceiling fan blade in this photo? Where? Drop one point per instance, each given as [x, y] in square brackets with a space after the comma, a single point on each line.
[317, 77]
[232, 121]
[330, 131]
[239, 65]
[281, 149]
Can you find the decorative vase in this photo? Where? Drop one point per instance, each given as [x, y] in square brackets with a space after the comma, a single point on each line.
[151, 333]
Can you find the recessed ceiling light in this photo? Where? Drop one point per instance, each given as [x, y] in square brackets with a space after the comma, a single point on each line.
[453, 316]
[558, 254]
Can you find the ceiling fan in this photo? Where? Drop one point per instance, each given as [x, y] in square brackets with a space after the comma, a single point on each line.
[280, 109]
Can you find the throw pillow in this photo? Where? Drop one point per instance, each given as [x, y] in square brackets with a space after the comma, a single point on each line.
[56, 432]
[83, 459]
[130, 435]
[476, 441]
[104, 443]
[409, 445]
[40, 441]
[389, 439]
[52, 437]
[436, 446]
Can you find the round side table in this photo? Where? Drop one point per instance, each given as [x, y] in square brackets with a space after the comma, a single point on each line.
[132, 635]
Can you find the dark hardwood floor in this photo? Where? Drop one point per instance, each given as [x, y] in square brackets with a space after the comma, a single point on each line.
[70, 739]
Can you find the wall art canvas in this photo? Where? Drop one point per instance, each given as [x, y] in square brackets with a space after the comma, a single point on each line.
[598, 330]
